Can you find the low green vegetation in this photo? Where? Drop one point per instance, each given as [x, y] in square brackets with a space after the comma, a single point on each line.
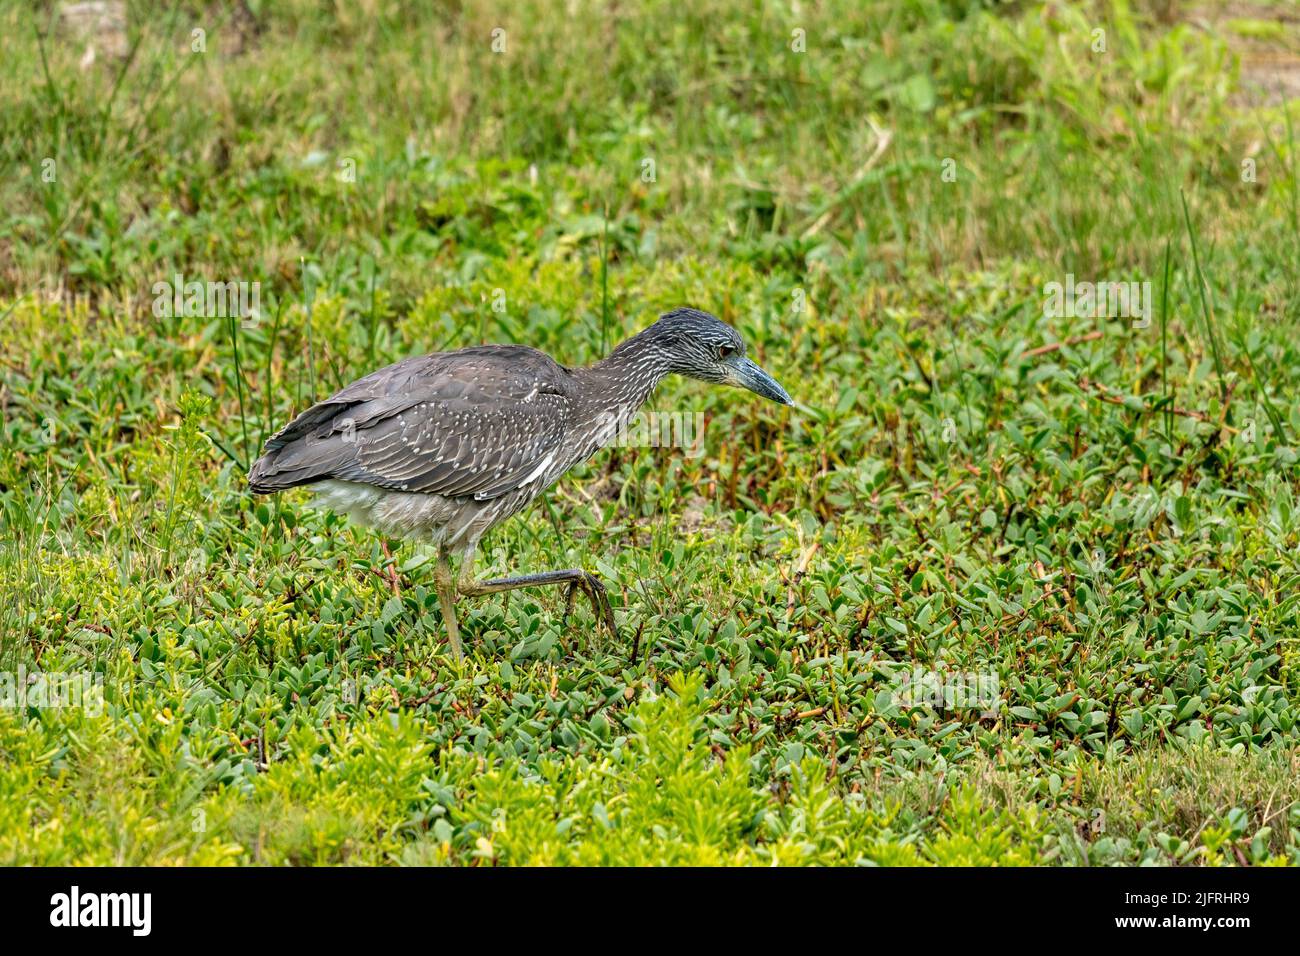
[1012, 584]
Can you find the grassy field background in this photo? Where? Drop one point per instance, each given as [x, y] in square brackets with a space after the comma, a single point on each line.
[1097, 516]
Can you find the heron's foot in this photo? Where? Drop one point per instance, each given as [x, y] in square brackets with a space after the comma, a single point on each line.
[600, 604]
[598, 594]
[577, 580]
[390, 570]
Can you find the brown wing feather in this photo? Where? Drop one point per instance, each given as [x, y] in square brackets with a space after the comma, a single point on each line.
[479, 422]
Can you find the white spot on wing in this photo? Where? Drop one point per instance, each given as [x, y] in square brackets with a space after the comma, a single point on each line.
[533, 476]
[541, 467]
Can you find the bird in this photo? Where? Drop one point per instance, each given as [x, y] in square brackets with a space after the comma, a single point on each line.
[441, 448]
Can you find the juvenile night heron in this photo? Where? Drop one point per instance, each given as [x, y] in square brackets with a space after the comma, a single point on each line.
[442, 447]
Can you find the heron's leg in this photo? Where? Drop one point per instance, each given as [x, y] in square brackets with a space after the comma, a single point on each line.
[446, 585]
[575, 578]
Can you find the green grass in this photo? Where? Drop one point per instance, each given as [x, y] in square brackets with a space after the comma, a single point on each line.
[1097, 519]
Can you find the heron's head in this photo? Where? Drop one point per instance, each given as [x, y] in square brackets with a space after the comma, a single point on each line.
[701, 346]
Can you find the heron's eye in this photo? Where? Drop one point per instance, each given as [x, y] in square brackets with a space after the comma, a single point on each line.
[726, 351]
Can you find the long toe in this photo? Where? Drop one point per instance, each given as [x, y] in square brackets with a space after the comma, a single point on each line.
[570, 593]
[600, 605]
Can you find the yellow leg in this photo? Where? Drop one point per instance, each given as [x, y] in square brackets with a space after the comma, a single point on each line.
[446, 586]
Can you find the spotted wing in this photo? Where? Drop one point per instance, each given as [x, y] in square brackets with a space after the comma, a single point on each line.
[480, 422]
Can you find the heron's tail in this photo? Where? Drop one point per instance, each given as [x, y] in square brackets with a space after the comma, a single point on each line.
[264, 477]
[299, 453]
[287, 466]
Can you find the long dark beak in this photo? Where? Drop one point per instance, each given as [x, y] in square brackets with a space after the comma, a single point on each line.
[750, 376]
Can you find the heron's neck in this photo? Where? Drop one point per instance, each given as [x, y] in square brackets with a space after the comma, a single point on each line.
[621, 383]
